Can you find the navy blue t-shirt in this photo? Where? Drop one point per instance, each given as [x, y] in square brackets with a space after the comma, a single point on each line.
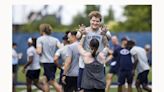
[124, 59]
[115, 47]
[113, 63]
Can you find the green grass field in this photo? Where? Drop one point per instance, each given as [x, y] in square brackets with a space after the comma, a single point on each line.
[52, 90]
[21, 78]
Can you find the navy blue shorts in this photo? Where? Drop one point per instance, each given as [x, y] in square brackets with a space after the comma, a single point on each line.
[143, 77]
[123, 76]
[49, 70]
[113, 67]
[79, 78]
[113, 70]
[33, 74]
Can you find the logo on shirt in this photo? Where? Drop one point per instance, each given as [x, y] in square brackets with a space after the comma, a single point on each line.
[124, 52]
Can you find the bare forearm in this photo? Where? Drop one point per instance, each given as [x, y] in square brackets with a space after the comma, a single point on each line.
[29, 62]
[135, 62]
[66, 67]
[82, 40]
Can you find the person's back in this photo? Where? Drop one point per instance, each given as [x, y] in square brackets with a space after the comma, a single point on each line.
[49, 47]
[93, 75]
[31, 51]
[93, 35]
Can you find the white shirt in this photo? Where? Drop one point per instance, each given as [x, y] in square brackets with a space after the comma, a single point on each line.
[31, 51]
[141, 55]
[14, 57]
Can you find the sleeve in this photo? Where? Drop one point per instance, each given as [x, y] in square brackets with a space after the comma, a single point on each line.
[58, 43]
[14, 54]
[105, 51]
[108, 34]
[38, 43]
[30, 53]
[69, 52]
[133, 51]
[58, 52]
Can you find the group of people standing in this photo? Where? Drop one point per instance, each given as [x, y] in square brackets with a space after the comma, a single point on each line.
[84, 54]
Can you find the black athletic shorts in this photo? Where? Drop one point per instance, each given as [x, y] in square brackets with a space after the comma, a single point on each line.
[14, 68]
[71, 84]
[49, 70]
[33, 74]
[94, 90]
[143, 77]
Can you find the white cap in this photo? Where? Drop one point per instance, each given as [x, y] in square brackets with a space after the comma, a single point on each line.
[30, 40]
[147, 46]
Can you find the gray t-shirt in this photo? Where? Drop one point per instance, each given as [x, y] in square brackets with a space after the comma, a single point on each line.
[89, 36]
[31, 51]
[62, 53]
[49, 47]
[74, 53]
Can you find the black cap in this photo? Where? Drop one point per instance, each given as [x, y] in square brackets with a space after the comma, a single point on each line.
[65, 37]
[124, 38]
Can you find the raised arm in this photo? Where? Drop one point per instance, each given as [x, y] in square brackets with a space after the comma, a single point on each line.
[80, 46]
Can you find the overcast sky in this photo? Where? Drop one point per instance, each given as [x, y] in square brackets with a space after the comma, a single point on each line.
[20, 12]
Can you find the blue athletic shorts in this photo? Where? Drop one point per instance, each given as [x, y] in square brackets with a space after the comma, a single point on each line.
[79, 78]
[123, 76]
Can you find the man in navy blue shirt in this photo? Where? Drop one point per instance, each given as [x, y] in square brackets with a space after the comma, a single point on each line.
[125, 64]
[113, 64]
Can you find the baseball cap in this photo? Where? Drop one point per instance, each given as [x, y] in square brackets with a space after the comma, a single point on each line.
[124, 38]
[30, 40]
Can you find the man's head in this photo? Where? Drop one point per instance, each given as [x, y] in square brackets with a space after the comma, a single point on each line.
[115, 40]
[124, 41]
[72, 36]
[45, 29]
[130, 44]
[65, 40]
[31, 41]
[95, 19]
[14, 45]
[147, 47]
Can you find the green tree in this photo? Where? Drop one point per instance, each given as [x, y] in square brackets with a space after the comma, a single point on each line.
[34, 25]
[90, 8]
[139, 18]
[110, 16]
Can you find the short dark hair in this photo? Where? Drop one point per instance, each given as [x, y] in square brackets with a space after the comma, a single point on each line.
[95, 14]
[131, 43]
[34, 41]
[65, 37]
[67, 32]
[73, 33]
[14, 44]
